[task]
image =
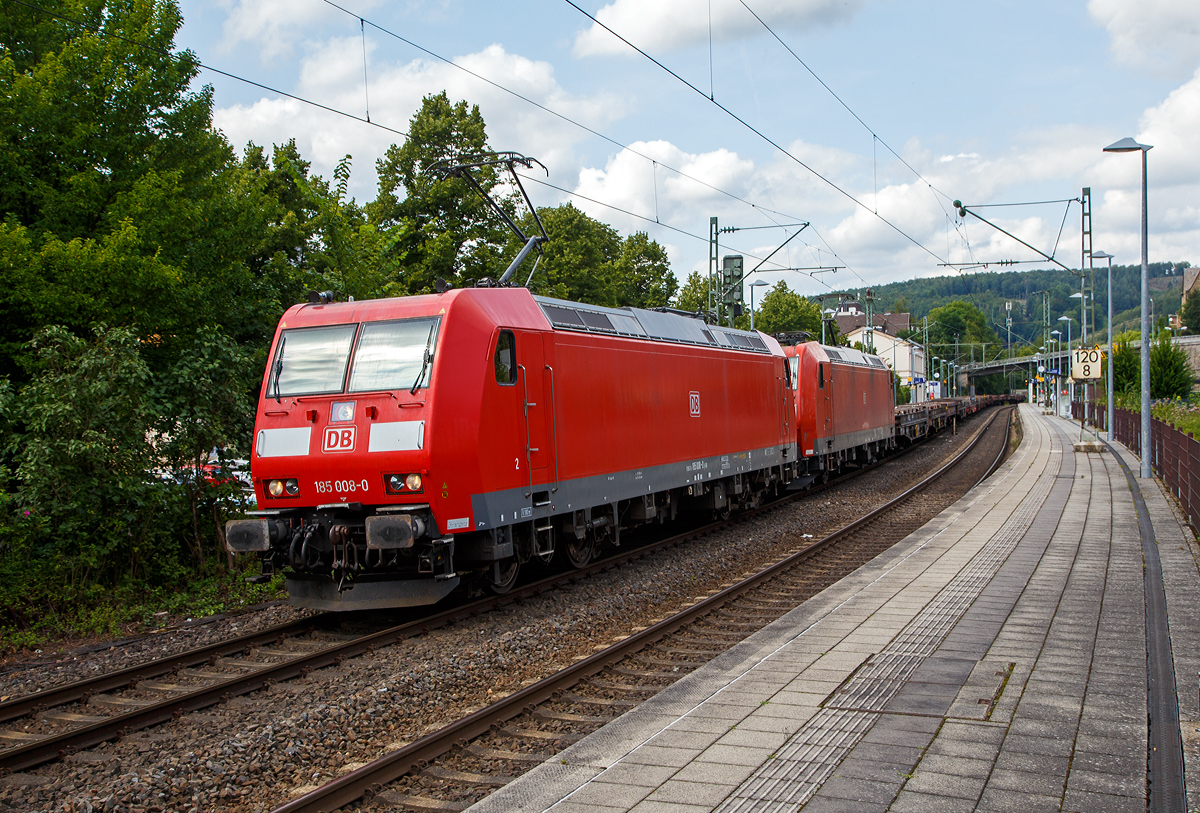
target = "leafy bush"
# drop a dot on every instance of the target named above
(105, 498)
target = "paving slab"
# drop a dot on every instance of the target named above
(993, 660)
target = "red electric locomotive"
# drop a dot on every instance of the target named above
(845, 407)
(402, 445)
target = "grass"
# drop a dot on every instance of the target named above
(1181, 413)
(124, 613)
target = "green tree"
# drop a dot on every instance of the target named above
(348, 254)
(783, 311)
(1127, 367)
(1170, 373)
(202, 406)
(80, 449)
(641, 276)
(587, 261)
(693, 296)
(86, 113)
(445, 229)
(1191, 314)
(961, 324)
(578, 261)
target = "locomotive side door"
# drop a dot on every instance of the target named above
(783, 391)
(825, 374)
(531, 379)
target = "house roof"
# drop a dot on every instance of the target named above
(890, 323)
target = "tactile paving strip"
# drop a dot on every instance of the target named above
(803, 764)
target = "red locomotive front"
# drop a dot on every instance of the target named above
(401, 444)
(845, 407)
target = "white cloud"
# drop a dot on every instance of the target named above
(1173, 179)
(275, 26)
(1159, 34)
(661, 25)
(332, 75)
(631, 182)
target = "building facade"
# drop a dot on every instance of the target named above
(905, 358)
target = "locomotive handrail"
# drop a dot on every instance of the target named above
(554, 424)
(528, 453)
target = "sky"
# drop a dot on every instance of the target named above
(864, 119)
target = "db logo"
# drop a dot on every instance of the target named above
(338, 439)
(694, 403)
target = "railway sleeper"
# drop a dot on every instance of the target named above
(545, 736)
(468, 778)
(484, 752)
(567, 717)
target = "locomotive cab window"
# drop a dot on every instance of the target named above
(311, 361)
(506, 358)
(394, 355)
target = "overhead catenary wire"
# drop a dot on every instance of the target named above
(759, 133)
(556, 114)
(941, 201)
(676, 229)
(765, 211)
(210, 68)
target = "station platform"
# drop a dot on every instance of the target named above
(995, 660)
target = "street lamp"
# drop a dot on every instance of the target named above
(757, 284)
(1129, 145)
(1057, 352)
(1068, 320)
(1104, 255)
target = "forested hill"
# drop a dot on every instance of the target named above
(989, 291)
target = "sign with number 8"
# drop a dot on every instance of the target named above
(1086, 364)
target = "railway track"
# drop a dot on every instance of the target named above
(84, 714)
(450, 769)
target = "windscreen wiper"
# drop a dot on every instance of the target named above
(426, 357)
(279, 367)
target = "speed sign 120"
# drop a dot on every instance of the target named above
(1085, 364)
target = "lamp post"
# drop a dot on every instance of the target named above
(1068, 320)
(825, 316)
(1057, 334)
(1042, 369)
(1104, 255)
(1129, 145)
(758, 284)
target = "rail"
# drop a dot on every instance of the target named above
(369, 778)
(56, 746)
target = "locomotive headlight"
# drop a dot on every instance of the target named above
(292, 487)
(403, 483)
(343, 411)
(275, 488)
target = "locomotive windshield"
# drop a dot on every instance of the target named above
(311, 361)
(389, 356)
(393, 355)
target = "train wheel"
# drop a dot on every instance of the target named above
(507, 576)
(580, 551)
